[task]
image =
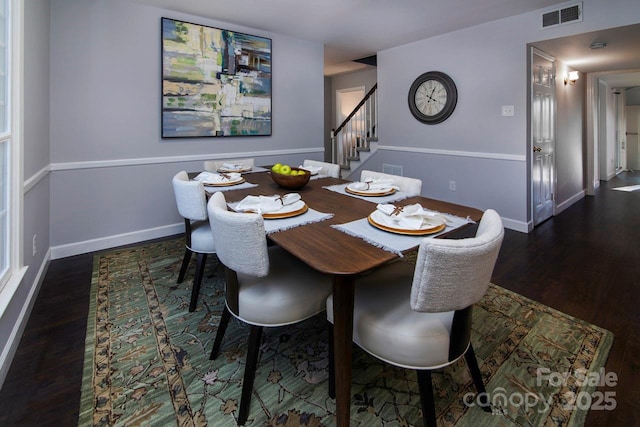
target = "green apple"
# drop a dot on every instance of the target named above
(285, 169)
(276, 167)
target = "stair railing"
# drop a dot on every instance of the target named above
(355, 132)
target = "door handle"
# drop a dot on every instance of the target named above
(537, 149)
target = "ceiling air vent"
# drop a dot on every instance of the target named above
(561, 16)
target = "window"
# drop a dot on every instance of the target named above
(4, 215)
(6, 180)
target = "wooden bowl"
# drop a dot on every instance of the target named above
(291, 182)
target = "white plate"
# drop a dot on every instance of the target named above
(384, 222)
(373, 192)
(296, 208)
(238, 180)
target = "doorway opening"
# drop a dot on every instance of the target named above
(346, 100)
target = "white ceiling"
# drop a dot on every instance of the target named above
(619, 61)
(353, 29)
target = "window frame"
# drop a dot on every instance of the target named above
(12, 142)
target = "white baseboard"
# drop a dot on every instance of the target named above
(523, 227)
(570, 201)
(11, 346)
(108, 242)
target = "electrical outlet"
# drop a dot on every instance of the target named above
(507, 110)
(34, 247)
(452, 185)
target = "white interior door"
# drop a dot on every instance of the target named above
(621, 148)
(543, 110)
(633, 143)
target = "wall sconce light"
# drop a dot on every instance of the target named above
(571, 78)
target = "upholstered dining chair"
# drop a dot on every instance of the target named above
(265, 285)
(412, 186)
(329, 169)
(214, 165)
(192, 205)
(420, 318)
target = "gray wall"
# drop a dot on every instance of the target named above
(328, 113)
(633, 96)
(570, 154)
(36, 186)
(485, 153)
(111, 169)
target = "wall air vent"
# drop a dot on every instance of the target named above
(562, 16)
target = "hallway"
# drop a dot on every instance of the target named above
(586, 262)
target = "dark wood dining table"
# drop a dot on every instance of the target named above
(339, 255)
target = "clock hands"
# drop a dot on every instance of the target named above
(431, 95)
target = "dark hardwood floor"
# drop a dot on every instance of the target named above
(584, 262)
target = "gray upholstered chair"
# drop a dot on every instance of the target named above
(420, 318)
(412, 186)
(192, 205)
(214, 165)
(265, 285)
(329, 169)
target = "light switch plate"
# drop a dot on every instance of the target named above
(507, 110)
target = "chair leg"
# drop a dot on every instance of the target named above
(332, 368)
(255, 335)
(476, 375)
(426, 398)
(222, 327)
(197, 280)
(185, 264)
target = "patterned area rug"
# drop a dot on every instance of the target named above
(146, 360)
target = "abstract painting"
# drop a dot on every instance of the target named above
(214, 82)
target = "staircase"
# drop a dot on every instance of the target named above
(355, 139)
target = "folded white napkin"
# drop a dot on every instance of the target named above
(266, 204)
(373, 184)
(411, 217)
(217, 178)
(313, 169)
(233, 167)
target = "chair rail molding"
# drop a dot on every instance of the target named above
(456, 153)
(34, 179)
(93, 164)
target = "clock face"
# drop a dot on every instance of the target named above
(430, 97)
(433, 97)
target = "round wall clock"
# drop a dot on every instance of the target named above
(433, 97)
